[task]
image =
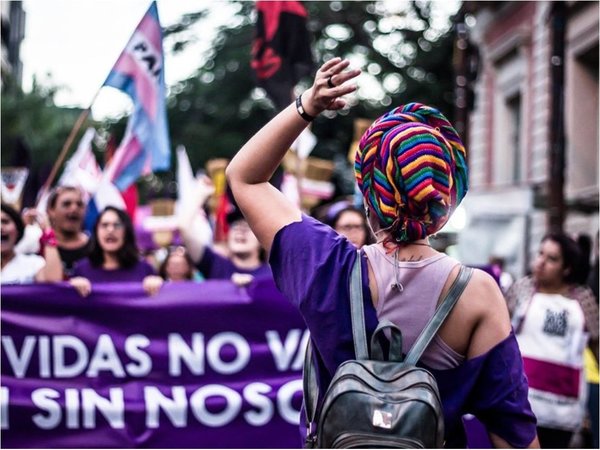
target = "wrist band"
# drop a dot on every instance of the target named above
(301, 110)
(48, 238)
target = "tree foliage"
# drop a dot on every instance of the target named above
(404, 50)
(32, 123)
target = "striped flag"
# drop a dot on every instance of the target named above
(139, 72)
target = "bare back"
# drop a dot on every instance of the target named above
(480, 318)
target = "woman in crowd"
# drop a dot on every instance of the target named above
(114, 256)
(177, 265)
(243, 259)
(412, 172)
(18, 268)
(352, 223)
(553, 318)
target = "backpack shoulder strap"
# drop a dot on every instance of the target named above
(434, 324)
(309, 389)
(309, 379)
(359, 335)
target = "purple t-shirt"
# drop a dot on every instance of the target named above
(84, 268)
(312, 264)
(215, 266)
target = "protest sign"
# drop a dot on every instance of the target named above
(205, 365)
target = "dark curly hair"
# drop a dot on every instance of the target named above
(571, 255)
(128, 255)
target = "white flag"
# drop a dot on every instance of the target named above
(185, 181)
(82, 169)
(304, 143)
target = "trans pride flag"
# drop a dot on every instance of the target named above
(139, 72)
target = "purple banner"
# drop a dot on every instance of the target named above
(204, 365)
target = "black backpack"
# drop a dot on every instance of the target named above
(376, 403)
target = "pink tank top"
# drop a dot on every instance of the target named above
(413, 304)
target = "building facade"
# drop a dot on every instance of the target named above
(532, 130)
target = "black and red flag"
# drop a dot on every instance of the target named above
(281, 53)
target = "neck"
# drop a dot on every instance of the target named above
(421, 242)
(111, 261)
(408, 251)
(390, 243)
(69, 238)
(6, 256)
(246, 260)
(552, 287)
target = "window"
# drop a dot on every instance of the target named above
(513, 109)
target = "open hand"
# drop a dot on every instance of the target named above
(331, 83)
(33, 216)
(204, 189)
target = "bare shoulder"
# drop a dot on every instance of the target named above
(485, 295)
(480, 318)
(490, 313)
(482, 295)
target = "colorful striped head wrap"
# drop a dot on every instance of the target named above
(411, 169)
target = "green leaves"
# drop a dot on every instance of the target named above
(33, 119)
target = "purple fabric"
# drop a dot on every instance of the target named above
(477, 435)
(145, 241)
(312, 264)
(267, 384)
(214, 266)
(99, 275)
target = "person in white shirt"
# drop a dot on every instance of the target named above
(554, 319)
(18, 268)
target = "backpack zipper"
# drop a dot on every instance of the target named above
(354, 377)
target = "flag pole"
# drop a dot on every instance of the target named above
(66, 147)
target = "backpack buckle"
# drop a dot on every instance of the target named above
(311, 438)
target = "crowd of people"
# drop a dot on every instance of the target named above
(549, 318)
(53, 246)
(55, 241)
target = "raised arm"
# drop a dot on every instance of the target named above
(265, 208)
(53, 269)
(193, 224)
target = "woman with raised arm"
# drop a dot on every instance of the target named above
(243, 261)
(411, 170)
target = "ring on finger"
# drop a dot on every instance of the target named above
(330, 83)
